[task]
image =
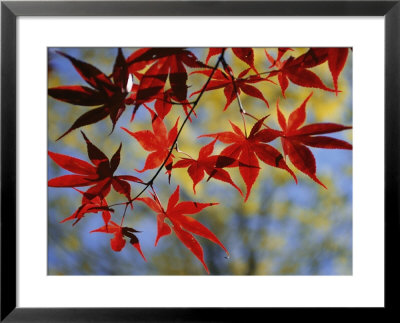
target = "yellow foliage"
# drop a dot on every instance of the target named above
(71, 242)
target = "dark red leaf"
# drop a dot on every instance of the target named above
(77, 94)
(115, 159)
(253, 91)
(70, 181)
(88, 118)
(336, 60)
(246, 55)
(73, 164)
(120, 71)
(325, 142)
(122, 187)
(129, 178)
(298, 116)
(89, 73)
(100, 177)
(169, 62)
(295, 139)
(95, 154)
(306, 78)
(213, 51)
(296, 69)
(99, 190)
(110, 94)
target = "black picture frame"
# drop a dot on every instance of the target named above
(11, 10)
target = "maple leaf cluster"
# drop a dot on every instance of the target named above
(158, 79)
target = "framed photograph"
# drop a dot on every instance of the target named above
(187, 160)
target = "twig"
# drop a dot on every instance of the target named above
(241, 109)
(195, 103)
(253, 117)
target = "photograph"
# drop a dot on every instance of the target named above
(196, 161)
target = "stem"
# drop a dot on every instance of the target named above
(182, 152)
(241, 109)
(177, 103)
(262, 73)
(253, 117)
(244, 122)
(157, 199)
(123, 216)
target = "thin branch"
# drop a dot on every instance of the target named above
(177, 103)
(244, 122)
(255, 118)
(241, 109)
(156, 196)
(262, 73)
(220, 59)
(182, 152)
(195, 103)
(123, 216)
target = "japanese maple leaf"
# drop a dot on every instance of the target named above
(167, 63)
(213, 51)
(295, 139)
(296, 70)
(248, 149)
(108, 93)
(183, 225)
(99, 175)
(120, 233)
(94, 205)
(158, 142)
(205, 164)
(281, 52)
(336, 60)
(222, 80)
(245, 54)
(164, 102)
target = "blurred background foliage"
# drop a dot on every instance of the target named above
(283, 229)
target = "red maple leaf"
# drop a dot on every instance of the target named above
(224, 80)
(100, 175)
(120, 233)
(245, 54)
(94, 205)
(213, 51)
(248, 149)
(164, 102)
(165, 63)
(295, 139)
(182, 225)
(336, 60)
(158, 142)
(206, 164)
(297, 70)
(281, 52)
(107, 92)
